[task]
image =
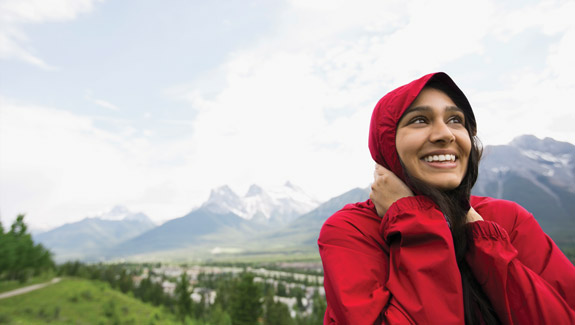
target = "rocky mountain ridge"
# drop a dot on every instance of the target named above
(278, 205)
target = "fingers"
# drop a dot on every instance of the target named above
(473, 216)
(380, 170)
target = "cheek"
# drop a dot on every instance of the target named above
(464, 142)
(407, 152)
(467, 146)
(406, 146)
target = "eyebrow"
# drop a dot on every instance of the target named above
(428, 108)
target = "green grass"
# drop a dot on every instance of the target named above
(11, 285)
(78, 301)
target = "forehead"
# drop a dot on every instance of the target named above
(431, 101)
(433, 98)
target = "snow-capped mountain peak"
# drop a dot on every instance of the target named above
(120, 212)
(254, 190)
(280, 204)
(223, 200)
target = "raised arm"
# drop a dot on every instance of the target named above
(401, 270)
(524, 274)
(355, 267)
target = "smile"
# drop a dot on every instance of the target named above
(440, 158)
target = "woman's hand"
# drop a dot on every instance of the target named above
(473, 216)
(386, 189)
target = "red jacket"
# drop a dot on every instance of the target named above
(401, 268)
(369, 275)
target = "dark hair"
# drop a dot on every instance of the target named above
(455, 204)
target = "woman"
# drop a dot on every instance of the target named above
(422, 249)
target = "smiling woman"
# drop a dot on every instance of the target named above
(424, 250)
(432, 141)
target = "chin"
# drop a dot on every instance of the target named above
(444, 185)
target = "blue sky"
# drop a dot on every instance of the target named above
(151, 104)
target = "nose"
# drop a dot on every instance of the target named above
(440, 132)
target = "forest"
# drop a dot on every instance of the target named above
(20, 257)
(239, 298)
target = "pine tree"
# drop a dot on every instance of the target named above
(20, 258)
(276, 313)
(125, 282)
(246, 305)
(183, 299)
(218, 316)
(319, 307)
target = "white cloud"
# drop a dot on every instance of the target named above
(535, 101)
(16, 13)
(57, 166)
(106, 104)
(532, 103)
(295, 106)
(298, 105)
(550, 17)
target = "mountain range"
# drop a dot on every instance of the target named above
(537, 173)
(94, 235)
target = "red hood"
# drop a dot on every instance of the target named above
(389, 110)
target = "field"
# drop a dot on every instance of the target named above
(78, 301)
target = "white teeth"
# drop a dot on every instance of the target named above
(439, 158)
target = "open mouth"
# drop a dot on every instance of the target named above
(440, 158)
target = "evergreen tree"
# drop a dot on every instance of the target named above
(218, 316)
(5, 258)
(299, 294)
(144, 290)
(157, 295)
(282, 291)
(246, 306)
(183, 299)
(200, 308)
(319, 307)
(20, 258)
(125, 282)
(276, 313)
(224, 293)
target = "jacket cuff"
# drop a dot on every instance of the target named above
(409, 213)
(486, 230)
(419, 202)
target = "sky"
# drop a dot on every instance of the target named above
(151, 104)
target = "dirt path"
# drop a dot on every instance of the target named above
(27, 289)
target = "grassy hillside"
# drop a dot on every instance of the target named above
(78, 301)
(13, 284)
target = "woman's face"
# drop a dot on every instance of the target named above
(432, 141)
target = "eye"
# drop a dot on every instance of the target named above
(455, 119)
(418, 120)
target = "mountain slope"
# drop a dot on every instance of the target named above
(199, 227)
(538, 174)
(305, 229)
(92, 236)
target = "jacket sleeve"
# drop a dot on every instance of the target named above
(355, 268)
(411, 278)
(424, 278)
(526, 277)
